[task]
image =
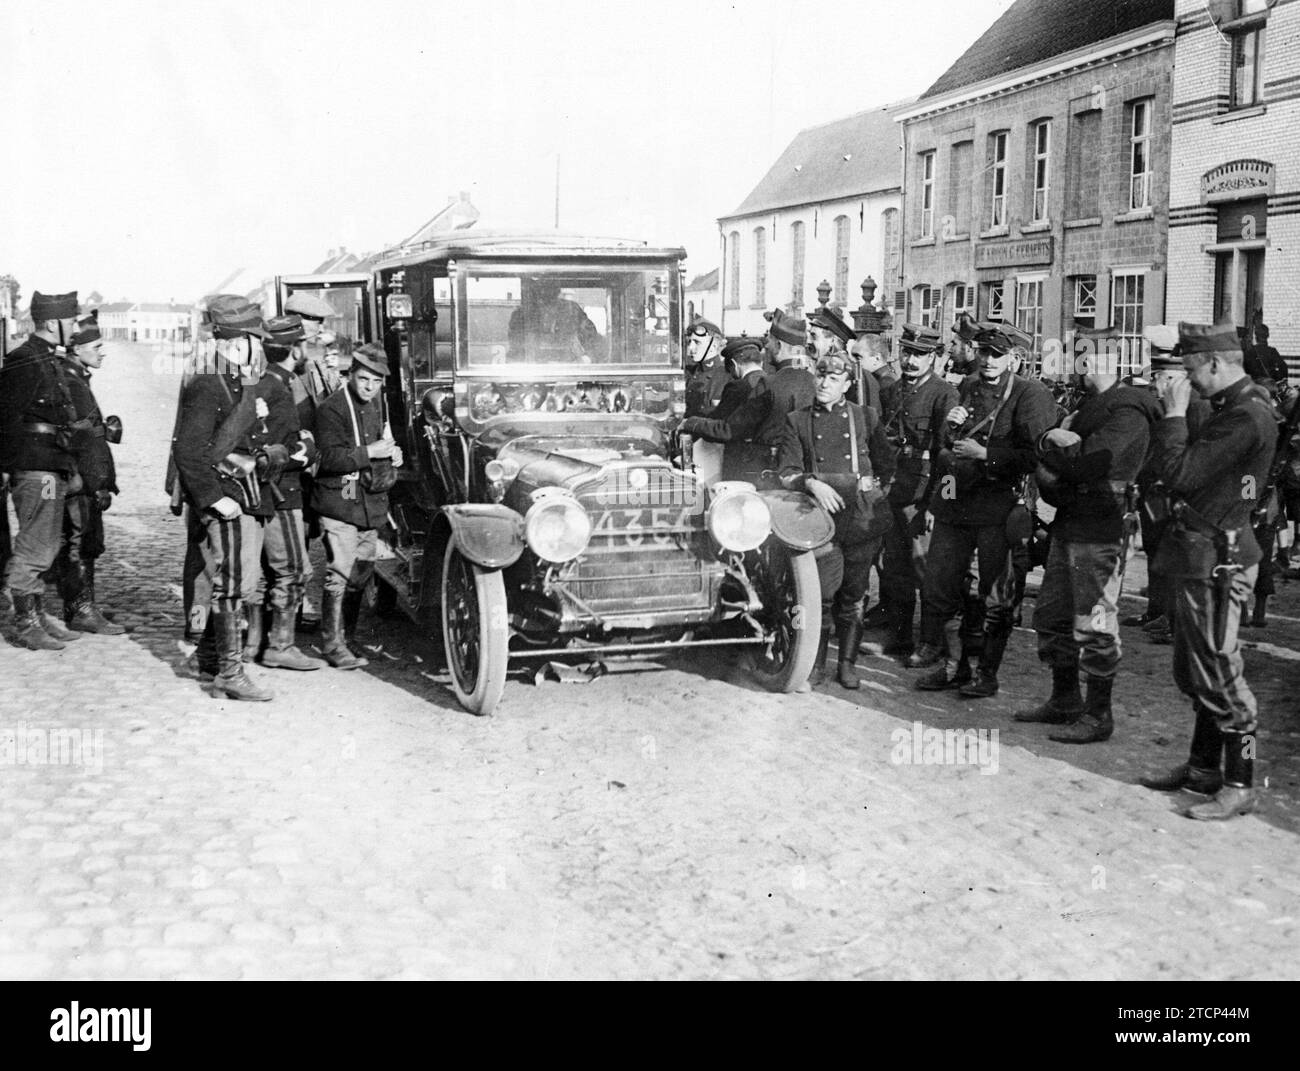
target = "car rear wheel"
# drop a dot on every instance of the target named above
(474, 631)
(787, 583)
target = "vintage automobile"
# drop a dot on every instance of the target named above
(542, 511)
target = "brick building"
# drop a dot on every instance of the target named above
(827, 210)
(1036, 175)
(1234, 220)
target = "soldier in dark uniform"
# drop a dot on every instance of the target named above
(1088, 465)
(991, 439)
(38, 446)
(742, 459)
(313, 310)
(356, 450)
(1267, 363)
(837, 452)
(914, 425)
(83, 521)
(707, 376)
(290, 450)
(222, 428)
(1214, 480)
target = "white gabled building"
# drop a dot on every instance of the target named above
(828, 210)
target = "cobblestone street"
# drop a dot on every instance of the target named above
(664, 821)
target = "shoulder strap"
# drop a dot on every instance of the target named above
(991, 419)
(352, 412)
(853, 441)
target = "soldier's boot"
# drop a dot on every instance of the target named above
(280, 651)
(876, 617)
(1200, 773)
(231, 680)
(1065, 703)
(333, 637)
(308, 614)
(1237, 796)
(52, 624)
(849, 636)
(900, 643)
(931, 651)
(985, 684)
(1097, 722)
(818, 674)
(256, 632)
(203, 662)
(1259, 619)
(31, 631)
(953, 670)
(81, 612)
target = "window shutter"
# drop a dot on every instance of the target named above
(900, 300)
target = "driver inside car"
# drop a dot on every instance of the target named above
(549, 327)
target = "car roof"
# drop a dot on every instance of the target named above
(550, 244)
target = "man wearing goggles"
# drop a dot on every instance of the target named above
(707, 373)
(837, 452)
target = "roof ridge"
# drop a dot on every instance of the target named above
(892, 105)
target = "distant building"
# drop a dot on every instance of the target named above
(1036, 171)
(703, 297)
(145, 321)
(1234, 237)
(827, 210)
(115, 319)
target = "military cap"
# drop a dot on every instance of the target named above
(829, 320)
(309, 306)
(283, 331)
(87, 329)
(701, 326)
(739, 349)
(1163, 339)
(232, 316)
(789, 329)
(1002, 338)
(53, 306)
(1218, 337)
(918, 339)
(371, 357)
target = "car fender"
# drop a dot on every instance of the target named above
(798, 520)
(488, 535)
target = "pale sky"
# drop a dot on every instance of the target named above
(154, 148)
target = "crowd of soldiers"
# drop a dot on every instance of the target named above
(272, 446)
(934, 474)
(931, 473)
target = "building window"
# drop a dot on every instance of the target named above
(962, 298)
(993, 301)
(1085, 300)
(1083, 166)
(1248, 56)
(1029, 309)
(1128, 294)
(796, 263)
(927, 305)
(927, 194)
(760, 265)
(1042, 142)
(891, 246)
(733, 270)
(998, 179)
(1140, 156)
(841, 292)
(961, 162)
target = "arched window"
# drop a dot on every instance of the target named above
(796, 264)
(733, 270)
(760, 265)
(841, 260)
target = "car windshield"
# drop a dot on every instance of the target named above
(578, 317)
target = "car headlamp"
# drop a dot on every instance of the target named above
(556, 528)
(739, 520)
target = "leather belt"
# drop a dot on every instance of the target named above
(38, 428)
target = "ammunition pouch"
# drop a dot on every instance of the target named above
(241, 469)
(271, 462)
(379, 478)
(113, 429)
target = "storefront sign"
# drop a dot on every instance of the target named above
(1237, 181)
(1013, 254)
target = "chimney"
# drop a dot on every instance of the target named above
(464, 196)
(331, 254)
(343, 250)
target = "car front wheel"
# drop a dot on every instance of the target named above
(475, 633)
(791, 616)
